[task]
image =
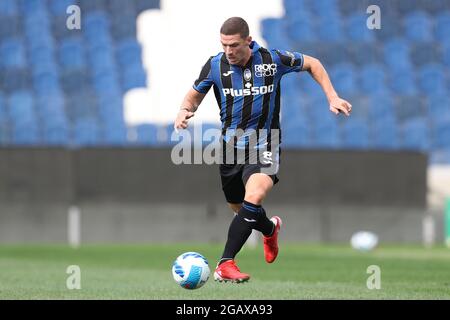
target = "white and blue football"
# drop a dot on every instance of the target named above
(191, 270)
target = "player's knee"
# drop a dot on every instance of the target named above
(255, 196)
(235, 206)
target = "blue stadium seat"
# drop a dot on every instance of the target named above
(121, 7)
(396, 55)
(146, 134)
(383, 133)
(325, 132)
(432, 79)
(295, 135)
(133, 76)
(355, 134)
(300, 27)
(409, 107)
(356, 28)
(418, 27)
(21, 107)
(415, 135)
(124, 25)
(442, 26)
(424, 53)
(441, 133)
(128, 51)
(273, 30)
(343, 77)
(381, 107)
(101, 60)
(142, 5)
(12, 53)
(85, 132)
(437, 106)
(35, 6)
(59, 7)
(372, 79)
(8, 8)
(71, 54)
(391, 26)
(115, 133)
(93, 6)
(403, 82)
(446, 54)
(46, 83)
(14, 79)
(107, 81)
(330, 30)
(10, 26)
(353, 52)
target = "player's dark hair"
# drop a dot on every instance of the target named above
(235, 25)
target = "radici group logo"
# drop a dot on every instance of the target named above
(265, 70)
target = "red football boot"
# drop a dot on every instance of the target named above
(228, 271)
(271, 243)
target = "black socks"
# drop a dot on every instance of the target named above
(251, 216)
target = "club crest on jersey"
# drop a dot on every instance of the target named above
(265, 69)
(247, 75)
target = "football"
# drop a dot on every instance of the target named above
(364, 240)
(191, 270)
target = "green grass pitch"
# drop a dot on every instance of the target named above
(302, 271)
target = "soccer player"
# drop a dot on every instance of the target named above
(246, 82)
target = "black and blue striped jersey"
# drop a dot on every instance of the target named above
(248, 96)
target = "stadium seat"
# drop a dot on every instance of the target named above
(299, 27)
(432, 79)
(403, 82)
(424, 53)
(325, 132)
(128, 51)
(330, 30)
(273, 31)
(355, 133)
(415, 135)
(343, 77)
(12, 53)
(409, 107)
(442, 26)
(418, 27)
(437, 106)
(71, 54)
(295, 135)
(85, 132)
(356, 29)
(146, 134)
(383, 133)
(59, 7)
(441, 133)
(372, 79)
(396, 55)
(8, 8)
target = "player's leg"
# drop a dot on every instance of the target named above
(238, 233)
(235, 207)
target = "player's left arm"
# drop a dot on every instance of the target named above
(318, 72)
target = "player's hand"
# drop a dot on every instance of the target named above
(181, 122)
(340, 105)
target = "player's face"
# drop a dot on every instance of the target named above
(236, 49)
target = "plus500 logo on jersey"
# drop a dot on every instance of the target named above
(253, 91)
(265, 70)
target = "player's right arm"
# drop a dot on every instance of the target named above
(194, 96)
(190, 104)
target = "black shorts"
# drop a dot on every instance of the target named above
(234, 176)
